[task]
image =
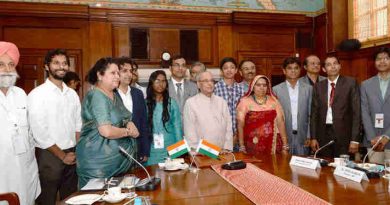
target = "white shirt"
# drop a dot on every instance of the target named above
(54, 115)
(293, 94)
(176, 82)
(19, 169)
(126, 98)
(329, 115)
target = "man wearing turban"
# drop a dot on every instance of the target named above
(19, 170)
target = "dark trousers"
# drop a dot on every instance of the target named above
(55, 176)
(334, 150)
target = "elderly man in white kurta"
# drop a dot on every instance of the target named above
(18, 166)
(206, 116)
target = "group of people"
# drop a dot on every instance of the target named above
(50, 142)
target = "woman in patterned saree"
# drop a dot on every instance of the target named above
(260, 120)
(106, 126)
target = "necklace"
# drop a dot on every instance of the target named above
(260, 102)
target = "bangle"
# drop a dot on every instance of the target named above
(285, 147)
(63, 157)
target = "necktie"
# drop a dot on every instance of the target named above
(179, 93)
(331, 95)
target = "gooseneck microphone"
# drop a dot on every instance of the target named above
(373, 147)
(147, 184)
(329, 143)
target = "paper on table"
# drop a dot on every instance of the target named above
(94, 184)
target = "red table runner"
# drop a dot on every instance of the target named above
(262, 187)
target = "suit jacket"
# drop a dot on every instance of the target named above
(190, 89)
(305, 79)
(140, 120)
(304, 106)
(373, 103)
(345, 112)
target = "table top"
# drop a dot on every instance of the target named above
(207, 187)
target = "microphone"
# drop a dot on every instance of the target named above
(373, 147)
(323, 162)
(329, 143)
(235, 164)
(147, 184)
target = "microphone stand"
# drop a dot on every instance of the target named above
(372, 150)
(323, 162)
(147, 184)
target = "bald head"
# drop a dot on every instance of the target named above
(205, 83)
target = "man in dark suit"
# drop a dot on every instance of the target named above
(180, 88)
(335, 112)
(134, 101)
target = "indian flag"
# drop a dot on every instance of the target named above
(178, 149)
(208, 149)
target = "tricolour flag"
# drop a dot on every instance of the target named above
(208, 149)
(178, 149)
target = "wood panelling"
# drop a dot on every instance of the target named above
(163, 39)
(121, 41)
(266, 42)
(43, 37)
(99, 32)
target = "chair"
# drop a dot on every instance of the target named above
(11, 197)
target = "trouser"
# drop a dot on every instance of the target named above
(334, 150)
(55, 176)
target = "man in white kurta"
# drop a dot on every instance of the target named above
(206, 116)
(18, 166)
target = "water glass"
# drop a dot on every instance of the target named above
(129, 183)
(387, 169)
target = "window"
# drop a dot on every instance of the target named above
(370, 20)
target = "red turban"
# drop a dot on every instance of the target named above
(11, 50)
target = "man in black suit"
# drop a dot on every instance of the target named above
(134, 101)
(335, 112)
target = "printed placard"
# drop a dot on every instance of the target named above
(351, 174)
(305, 162)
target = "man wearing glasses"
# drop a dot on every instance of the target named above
(134, 80)
(312, 66)
(180, 89)
(206, 116)
(375, 94)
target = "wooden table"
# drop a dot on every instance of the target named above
(207, 187)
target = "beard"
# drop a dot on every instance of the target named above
(8, 79)
(55, 76)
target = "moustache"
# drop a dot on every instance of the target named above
(8, 79)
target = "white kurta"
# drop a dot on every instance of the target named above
(18, 166)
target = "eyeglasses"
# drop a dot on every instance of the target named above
(382, 59)
(206, 81)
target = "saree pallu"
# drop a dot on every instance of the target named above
(260, 133)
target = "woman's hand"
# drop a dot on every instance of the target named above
(285, 152)
(242, 149)
(132, 130)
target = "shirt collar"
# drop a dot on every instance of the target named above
(335, 81)
(9, 91)
(203, 96)
(175, 82)
(52, 86)
(289, 84)
(127, 92)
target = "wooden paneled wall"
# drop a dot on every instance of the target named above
(91, 33)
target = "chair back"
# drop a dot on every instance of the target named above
(11, 197)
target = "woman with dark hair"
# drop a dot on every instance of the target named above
(164, 117)
(106, 126)
(260, 120)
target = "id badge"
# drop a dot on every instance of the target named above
(158, 140)
(379, 118)
(18, 144)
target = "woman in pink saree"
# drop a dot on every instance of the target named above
(260, 120)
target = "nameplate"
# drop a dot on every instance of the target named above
(351, 174)
(305, 162)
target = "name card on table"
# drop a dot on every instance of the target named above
(351, 174)
(305, 162)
